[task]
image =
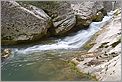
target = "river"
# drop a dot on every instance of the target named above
(44, 62)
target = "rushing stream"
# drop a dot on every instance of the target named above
(47, 61)
(70, 42)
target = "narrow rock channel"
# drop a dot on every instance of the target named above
(60, 40)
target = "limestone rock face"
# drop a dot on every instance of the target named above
(87, 11)
(106, 65)
(71, 16)
(65, 19)
(68, 16)
(21, 24)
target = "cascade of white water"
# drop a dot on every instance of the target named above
(71, 42)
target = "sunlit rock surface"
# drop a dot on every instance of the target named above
(106, 65)
(20, 24)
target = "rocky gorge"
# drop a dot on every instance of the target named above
(85, 40)
(23, 22)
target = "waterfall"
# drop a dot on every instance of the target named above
(71, 42)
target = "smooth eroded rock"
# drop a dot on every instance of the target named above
(70, 16)
(87, 11)
(20, 24)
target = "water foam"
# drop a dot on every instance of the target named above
(71, 42)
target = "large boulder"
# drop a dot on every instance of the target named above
(61, 13)
(5, 54)
(87, 11)
(68, 16)
(22, 22)
(63, 18)
(22, 25)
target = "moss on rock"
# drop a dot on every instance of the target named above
(87, 76)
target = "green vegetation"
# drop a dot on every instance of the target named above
(83, 75)
(91, 42)
(88, 46)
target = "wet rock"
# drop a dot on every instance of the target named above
(5, 54)
(98, 17)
